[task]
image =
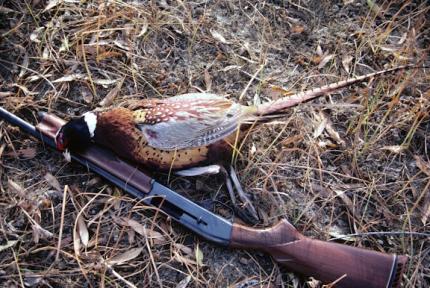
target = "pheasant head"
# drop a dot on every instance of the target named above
(77, 133)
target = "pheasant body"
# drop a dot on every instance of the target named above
(176, 133)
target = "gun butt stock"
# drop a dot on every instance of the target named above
(349, 267)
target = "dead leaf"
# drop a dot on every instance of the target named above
(249, 50)
(108, 100)
(316, 59)
(79, 76)
(218, 36)
(326, 144)
(263, 215)
(2, 147)
(396, 149)
(52, 4)
(319, 51)
(184, 282)
(321, 190)
(64, 45)
(125, 257)
(25, 89)
(89, 50)
(157, 237)
(183, 260)
(403, 38)
(325, 59)
(144, 28)
(346, 60)
(253, 149)
(40, 233)
(6, 93)
(6, 10)
(136, 226)
(342, 195)
(107, 54)
(373, 7)
(94, 181)
(33, 78)
(76, 245)
(34, 36)
(426, 209)
(105, 82)
(8, 245)
(292, 140)
(275, 92)
(46, 53)
(230, 67)
(69, 78)
(422, 165)
(24, 65)
(199, 256)
(334, 134)
(336, 232)
(185, 249)
(33, 280)
(251, 282)
(122, 44)
(208, 80)
(297, 29)
(322, 123)
(83, 231)
(244, 261)
(131, 236)
(52, 180)
(16, 188)
(27, 153)
(389, 48)
(128, 30)
(87, 95)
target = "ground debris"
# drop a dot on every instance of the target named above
(348, 163)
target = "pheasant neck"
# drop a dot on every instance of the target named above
(90, 119)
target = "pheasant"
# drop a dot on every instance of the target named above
(184, 132)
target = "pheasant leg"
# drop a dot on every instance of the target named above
(197, 171)
(210, 170)
(246, 209)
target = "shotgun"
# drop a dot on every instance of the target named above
(348, 267)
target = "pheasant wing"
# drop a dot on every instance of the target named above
(189, 120)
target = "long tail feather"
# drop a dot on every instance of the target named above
(283, 103)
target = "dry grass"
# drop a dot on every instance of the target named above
(353, 165)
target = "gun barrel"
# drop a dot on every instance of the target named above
(25, 126)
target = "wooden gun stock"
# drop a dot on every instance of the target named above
(326, 261)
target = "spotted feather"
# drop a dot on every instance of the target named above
(189, 120)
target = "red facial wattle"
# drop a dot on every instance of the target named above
(60, 142)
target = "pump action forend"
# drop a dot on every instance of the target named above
(326, 261)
